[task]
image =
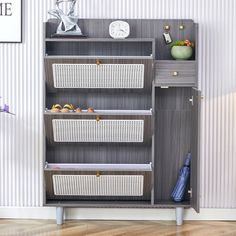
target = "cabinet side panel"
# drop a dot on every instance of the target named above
(195, 127)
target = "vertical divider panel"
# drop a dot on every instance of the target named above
(153, 147)
(195, 130)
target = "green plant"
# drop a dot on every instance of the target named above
(182, 43)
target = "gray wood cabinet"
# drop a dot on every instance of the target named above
(127, 153)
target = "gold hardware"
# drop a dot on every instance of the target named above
(98, 62)
(166, 27)
(181, 27)
(98, 174)
(175, 73)
(191, 100)
(98, 118)
(190, 192)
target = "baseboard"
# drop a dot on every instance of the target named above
(115, 214)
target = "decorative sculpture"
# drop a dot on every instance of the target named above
(69, 22)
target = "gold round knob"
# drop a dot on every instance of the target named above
(98, 118)
(175, 73)
(98, 174)
(98, 62)
(166, 27)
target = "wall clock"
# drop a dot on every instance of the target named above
(119, 29)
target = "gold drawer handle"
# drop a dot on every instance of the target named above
(98, 174)
(98, 118)
(167, 27)
(175, 73)
(98, 62)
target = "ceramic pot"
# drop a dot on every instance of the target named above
(181, 52)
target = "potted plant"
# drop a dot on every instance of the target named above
(182, 49)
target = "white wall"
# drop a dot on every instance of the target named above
(21, 85)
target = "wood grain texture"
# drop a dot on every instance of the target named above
(115, 228)
(172, 137)
(169, 143)
(108, 48)
(104, 100)
(99, 153)
(186, 73)
(117, 204)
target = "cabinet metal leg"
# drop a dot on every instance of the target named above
(59, 215)
(179, 211)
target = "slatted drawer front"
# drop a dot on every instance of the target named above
(94, 131)
(91, 185)
(98, 76)
(175, 72)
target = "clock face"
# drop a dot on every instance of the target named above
(119, 29)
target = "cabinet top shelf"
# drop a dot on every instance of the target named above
(151, 40)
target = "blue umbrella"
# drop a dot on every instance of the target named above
(180, 187)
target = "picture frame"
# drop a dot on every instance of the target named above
(11, 21)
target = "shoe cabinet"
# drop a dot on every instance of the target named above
(127, 154)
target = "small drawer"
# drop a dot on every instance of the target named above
(175, 73)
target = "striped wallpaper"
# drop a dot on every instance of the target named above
(21, 85)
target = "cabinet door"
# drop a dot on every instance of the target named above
(74, 73)
(195, 132)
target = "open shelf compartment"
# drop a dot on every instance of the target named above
(100, 47)
(176, 110)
